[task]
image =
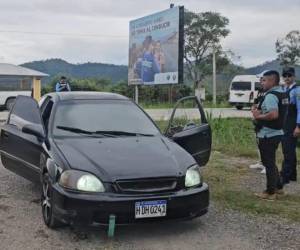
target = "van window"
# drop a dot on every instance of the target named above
(15, 84)
(241, 86)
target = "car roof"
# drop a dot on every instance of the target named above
(85, 95)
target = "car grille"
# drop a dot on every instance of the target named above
(147, 185)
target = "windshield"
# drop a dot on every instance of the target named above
(241, 86)
(101, 117)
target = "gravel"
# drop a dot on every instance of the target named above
(21, 227)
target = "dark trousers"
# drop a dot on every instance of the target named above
(267, 148)
(289, 164)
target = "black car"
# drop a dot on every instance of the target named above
(99, 154)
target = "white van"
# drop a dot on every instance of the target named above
(10, 88)
(243, 90)
(7, 98)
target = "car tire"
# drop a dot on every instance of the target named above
(47, 203)
(9, 103)
(239, 107)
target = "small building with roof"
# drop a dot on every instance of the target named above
(15, 80)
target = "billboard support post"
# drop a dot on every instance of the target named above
(170, 94)
(136, 95)
(214, 77)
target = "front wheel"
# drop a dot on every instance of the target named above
(47, 203)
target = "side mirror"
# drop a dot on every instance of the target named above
(34, 129)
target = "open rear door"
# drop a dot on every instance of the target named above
(189, 128)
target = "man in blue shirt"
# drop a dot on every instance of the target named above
(62, 85)
(149, 65)
(269, 123)
(291, 127)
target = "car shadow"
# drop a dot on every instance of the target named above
(140, 231)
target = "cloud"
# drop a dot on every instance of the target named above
(255, 25)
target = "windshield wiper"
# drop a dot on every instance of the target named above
(75, 130)
(82, 131)
(107, 133)
(120, 133)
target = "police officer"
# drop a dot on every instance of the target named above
(291, 127)
(268, 116)
(62, 85)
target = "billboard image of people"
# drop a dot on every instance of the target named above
(154, 48)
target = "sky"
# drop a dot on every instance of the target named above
(97, 30)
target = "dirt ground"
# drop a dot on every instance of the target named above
(21, 227)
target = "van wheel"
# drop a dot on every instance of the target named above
(239, 107)
(9, 103)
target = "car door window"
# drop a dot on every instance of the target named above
(46, 109)
(25, 111)
(186, 115)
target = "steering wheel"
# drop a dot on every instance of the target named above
(189, 125)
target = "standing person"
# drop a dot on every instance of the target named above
(62, 85)
(258, 99)
(149, 65)
(269, 116)
(291, 127)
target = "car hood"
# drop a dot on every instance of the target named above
(126, 157)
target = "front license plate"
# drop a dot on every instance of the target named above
(148, 209)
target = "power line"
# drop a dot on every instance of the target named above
(63, 34)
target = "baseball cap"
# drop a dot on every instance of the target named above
(288, 71)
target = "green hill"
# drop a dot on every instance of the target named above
(55, 67)
(116, 73)
(275, 65)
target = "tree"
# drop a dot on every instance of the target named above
(203, 32)
(288, 49)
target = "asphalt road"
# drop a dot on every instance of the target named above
(21, 227)
(164, 114)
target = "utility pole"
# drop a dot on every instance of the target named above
(136, 95)
(214, 77)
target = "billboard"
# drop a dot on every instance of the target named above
(156, 48)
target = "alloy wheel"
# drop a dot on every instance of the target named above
(46, 201)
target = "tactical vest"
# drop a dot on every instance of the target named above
(283, 104)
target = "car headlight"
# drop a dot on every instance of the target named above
(193, 177)
(82, 181)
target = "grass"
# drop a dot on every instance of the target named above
(233, 136)
(229, 190)
(227, 173)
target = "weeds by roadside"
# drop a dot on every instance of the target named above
(233, 136)
(167, 105)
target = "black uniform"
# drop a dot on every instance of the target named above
(289, 144)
